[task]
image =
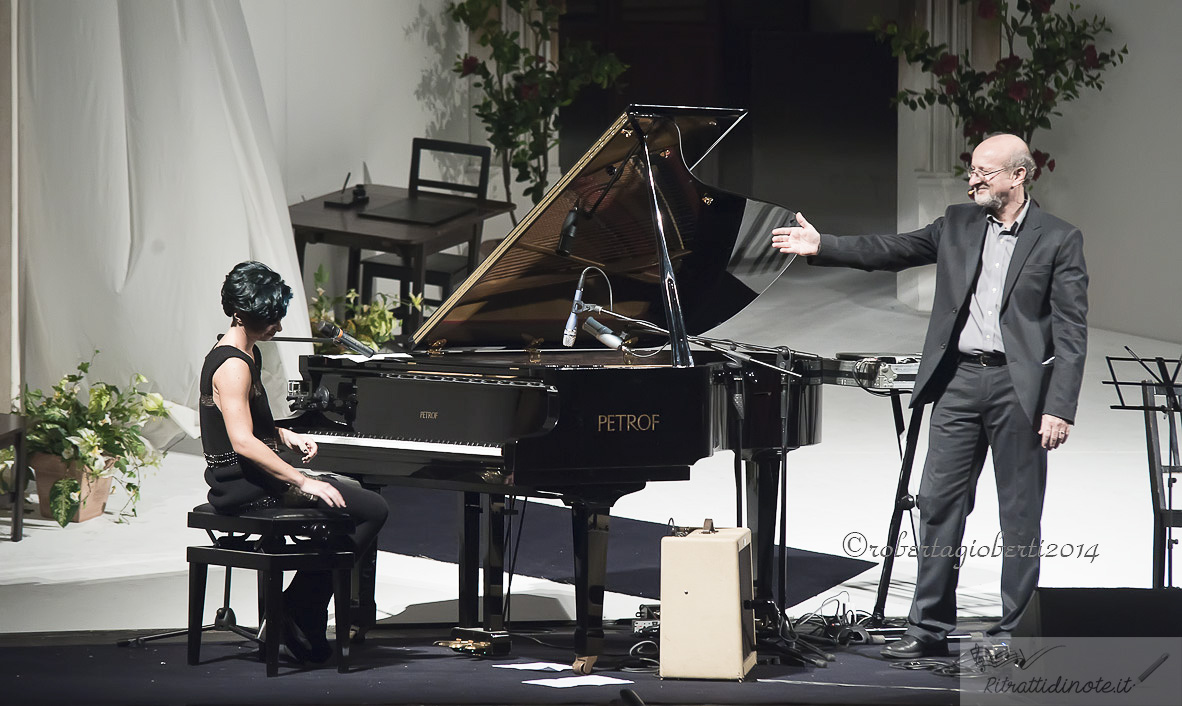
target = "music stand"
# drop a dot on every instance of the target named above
(1159, 396)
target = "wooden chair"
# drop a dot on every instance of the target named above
(444, 270)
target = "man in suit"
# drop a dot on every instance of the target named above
(1002, 364)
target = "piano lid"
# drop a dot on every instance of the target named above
(718, 242)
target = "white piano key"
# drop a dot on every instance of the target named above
(406, 445)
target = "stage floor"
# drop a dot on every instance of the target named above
(402, 666)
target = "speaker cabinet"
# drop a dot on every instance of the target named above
(1102, 612)
(707, 625)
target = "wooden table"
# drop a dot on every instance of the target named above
(12, 433)
(313, 222)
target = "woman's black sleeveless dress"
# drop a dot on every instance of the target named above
(236, 483)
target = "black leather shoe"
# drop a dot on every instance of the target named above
(910, 647)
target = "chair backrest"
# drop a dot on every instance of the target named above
(421, 144)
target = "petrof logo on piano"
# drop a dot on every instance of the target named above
(628, 422)
(428, 415)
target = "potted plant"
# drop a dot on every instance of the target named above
(80, 443)
(523, 88)
(8, 477)
(373, 324)
(1023, 90)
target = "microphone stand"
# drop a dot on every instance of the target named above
(725, 347)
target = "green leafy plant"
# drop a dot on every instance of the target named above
(7, 476)
(100, 430)
(523, 89)
(371, 323)
(1023, 90)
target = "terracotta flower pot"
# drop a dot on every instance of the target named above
(94, 492)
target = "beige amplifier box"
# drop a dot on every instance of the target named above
(707, 625)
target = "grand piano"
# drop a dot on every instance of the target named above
(490, 403)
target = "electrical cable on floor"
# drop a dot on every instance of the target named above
(646, 654)
(543, 643)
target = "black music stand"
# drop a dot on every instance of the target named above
(904, 502)
(1159, 397)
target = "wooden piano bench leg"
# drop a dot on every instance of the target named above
(197, 576)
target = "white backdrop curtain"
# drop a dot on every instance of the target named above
(147, 170)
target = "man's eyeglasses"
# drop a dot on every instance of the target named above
(984, 175)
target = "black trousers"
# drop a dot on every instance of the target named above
(978, 412)
(310, 591)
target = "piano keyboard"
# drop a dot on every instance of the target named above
(432, 447)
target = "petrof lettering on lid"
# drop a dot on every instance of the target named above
(628, 422)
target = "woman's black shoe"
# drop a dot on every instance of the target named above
(310, 629)
(296, 642)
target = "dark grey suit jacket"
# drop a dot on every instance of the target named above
(1044, 303)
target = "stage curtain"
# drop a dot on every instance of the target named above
(146, 171)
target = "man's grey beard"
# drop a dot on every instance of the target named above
(988, 200)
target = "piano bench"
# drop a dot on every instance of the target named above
(258, 540)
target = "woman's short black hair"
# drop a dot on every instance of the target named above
(256, 292)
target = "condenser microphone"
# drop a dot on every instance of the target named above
(331, 330)
(566, 236)
(572, 321)
(603, 334)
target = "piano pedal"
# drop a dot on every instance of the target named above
(474, 641)
(471, 647)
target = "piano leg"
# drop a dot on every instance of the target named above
(763, 482)
(590, 523)
(494, 563)
(469, 560)
(492, 507)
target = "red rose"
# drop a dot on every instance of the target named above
(951, 86)
(1037, 174)
(946, 64)
(1010, 63)
(1090, 59)
(975, 128)
(1051, 165)
(1048, 95)
(966, 157)
(1018, 90)
(469, 65)
(1040, 158)
(527, 91)
(987, 9)
(1041, 7)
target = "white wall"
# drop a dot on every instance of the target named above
(1117, 158)
(348, 81)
